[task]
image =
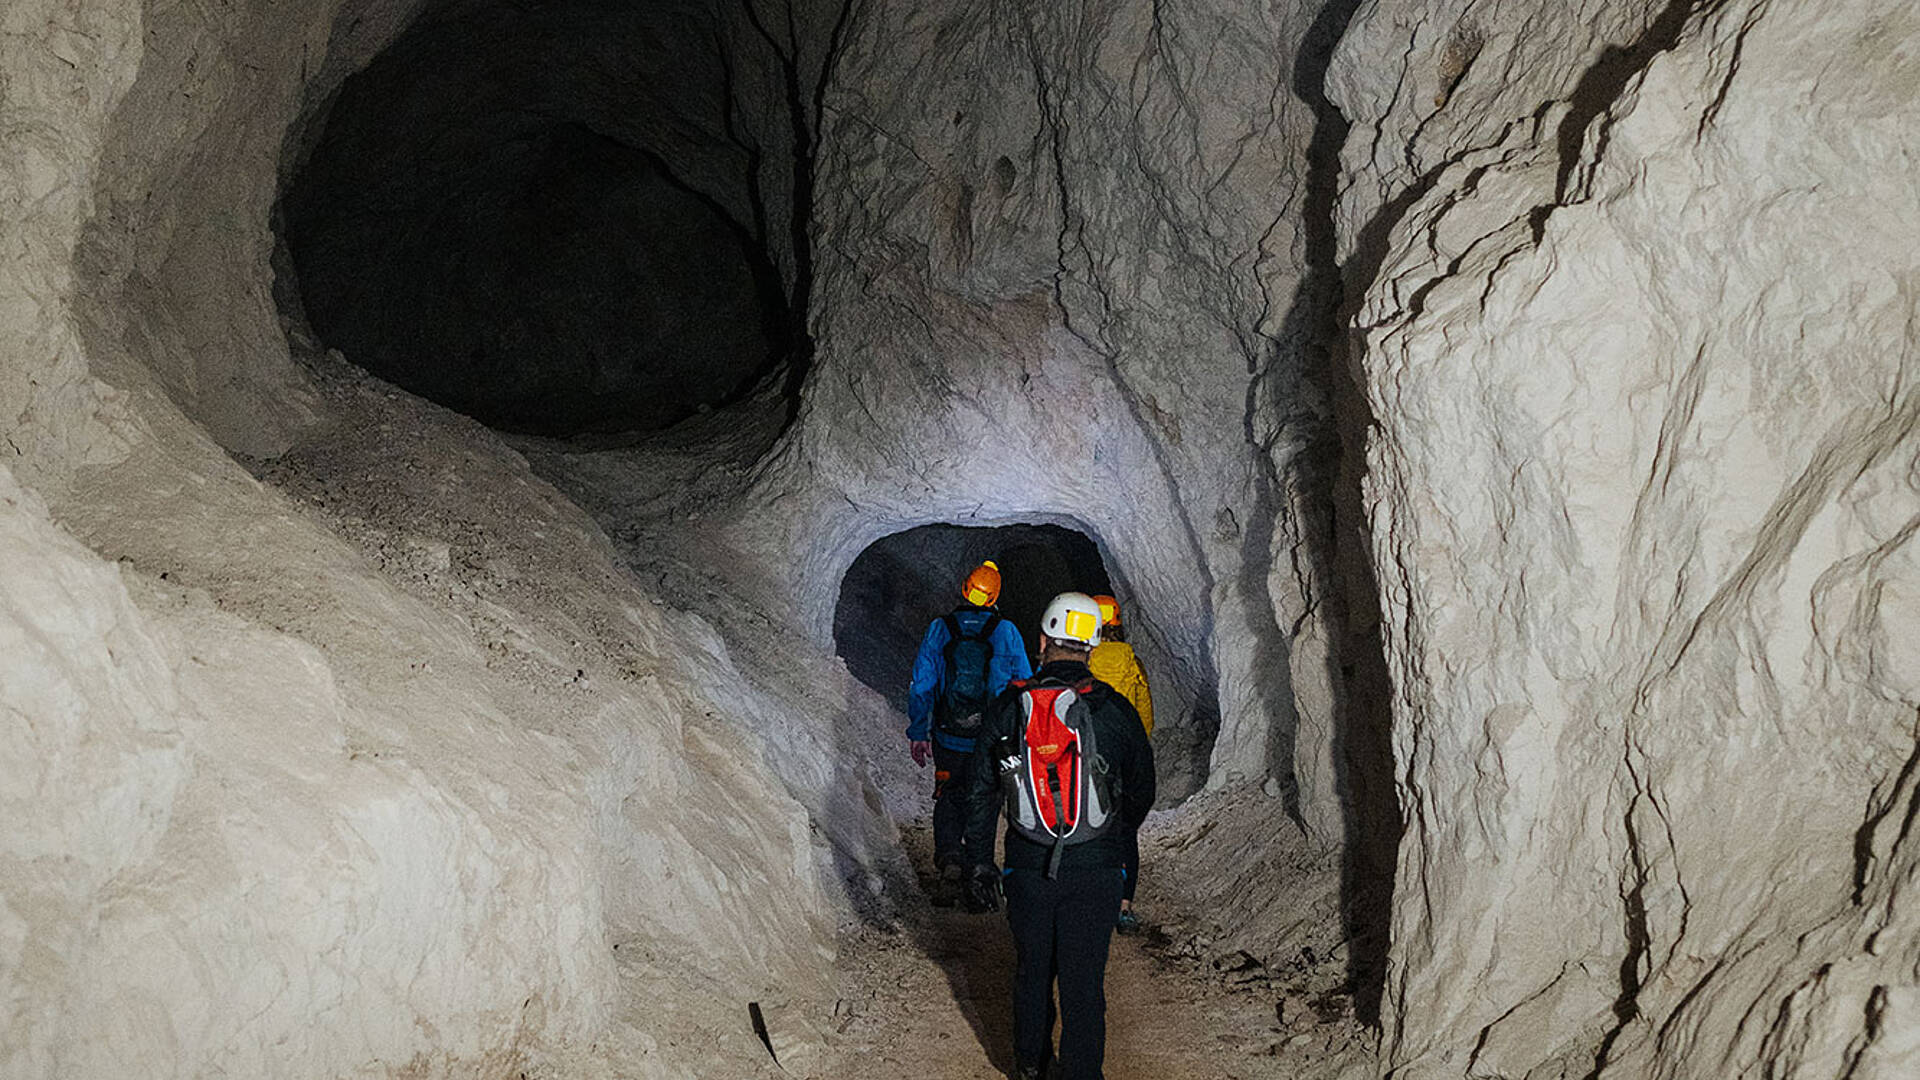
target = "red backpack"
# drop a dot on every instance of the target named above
(1059, 790)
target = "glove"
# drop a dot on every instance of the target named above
(921, 751)
(983, 889)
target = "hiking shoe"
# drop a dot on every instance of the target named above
(1127, 923)
(945, 890)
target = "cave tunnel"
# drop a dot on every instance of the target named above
(494, 217)
(347, 740)
(592, 217)
(902, 582)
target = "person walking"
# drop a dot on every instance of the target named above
(966, 657)
(1113, 663)
(1065, 757)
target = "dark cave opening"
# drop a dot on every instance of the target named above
(902, 582)
(572, 217)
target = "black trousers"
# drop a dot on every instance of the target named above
(1061, 930)
(950, 808)
(1133, 864)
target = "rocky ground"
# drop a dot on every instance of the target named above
(927, 996)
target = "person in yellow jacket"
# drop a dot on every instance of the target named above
(1113, 663)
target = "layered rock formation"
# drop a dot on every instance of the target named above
(391, 769)
(1632, 291)
(351, 746)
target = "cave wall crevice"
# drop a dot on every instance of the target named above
(1318, 475)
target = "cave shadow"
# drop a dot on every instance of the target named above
(973, 951)
(626, 362)
(902, 582)
(1341, 543)
(1271, 655)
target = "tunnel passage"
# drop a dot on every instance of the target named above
(496, 216)
(902, 582)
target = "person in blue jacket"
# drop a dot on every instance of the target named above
(967, 657)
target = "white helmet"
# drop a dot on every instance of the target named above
(1072, 617)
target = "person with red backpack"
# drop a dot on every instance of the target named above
(1064, 756)
(967, 657)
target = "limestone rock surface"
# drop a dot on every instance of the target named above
(1632, 290)
(354, 747)
(1056, 252)
(385, 766)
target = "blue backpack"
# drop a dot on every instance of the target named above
(968, 656)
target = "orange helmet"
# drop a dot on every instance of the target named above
(982, 588)
(1109, 610)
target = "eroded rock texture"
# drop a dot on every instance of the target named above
(1057, 250)
(389, 767)
(1632, 289)
(344, 744)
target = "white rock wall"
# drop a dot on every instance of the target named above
(67, 64)
(1056, 253)
(280, 802)
(1633, 295)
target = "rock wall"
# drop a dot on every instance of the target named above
(1056, 252)
(1627, 336)
(1632, 291)
(387, 767)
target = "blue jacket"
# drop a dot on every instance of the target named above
(930, 672)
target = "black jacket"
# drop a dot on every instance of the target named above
(1117, 736)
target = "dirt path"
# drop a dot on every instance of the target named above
(928, 999)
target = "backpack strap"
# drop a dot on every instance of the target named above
(1060, 828)
(954, 637)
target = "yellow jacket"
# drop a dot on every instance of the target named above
(1113, 663)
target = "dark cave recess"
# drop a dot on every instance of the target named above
(904, 581)
(476, 224)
